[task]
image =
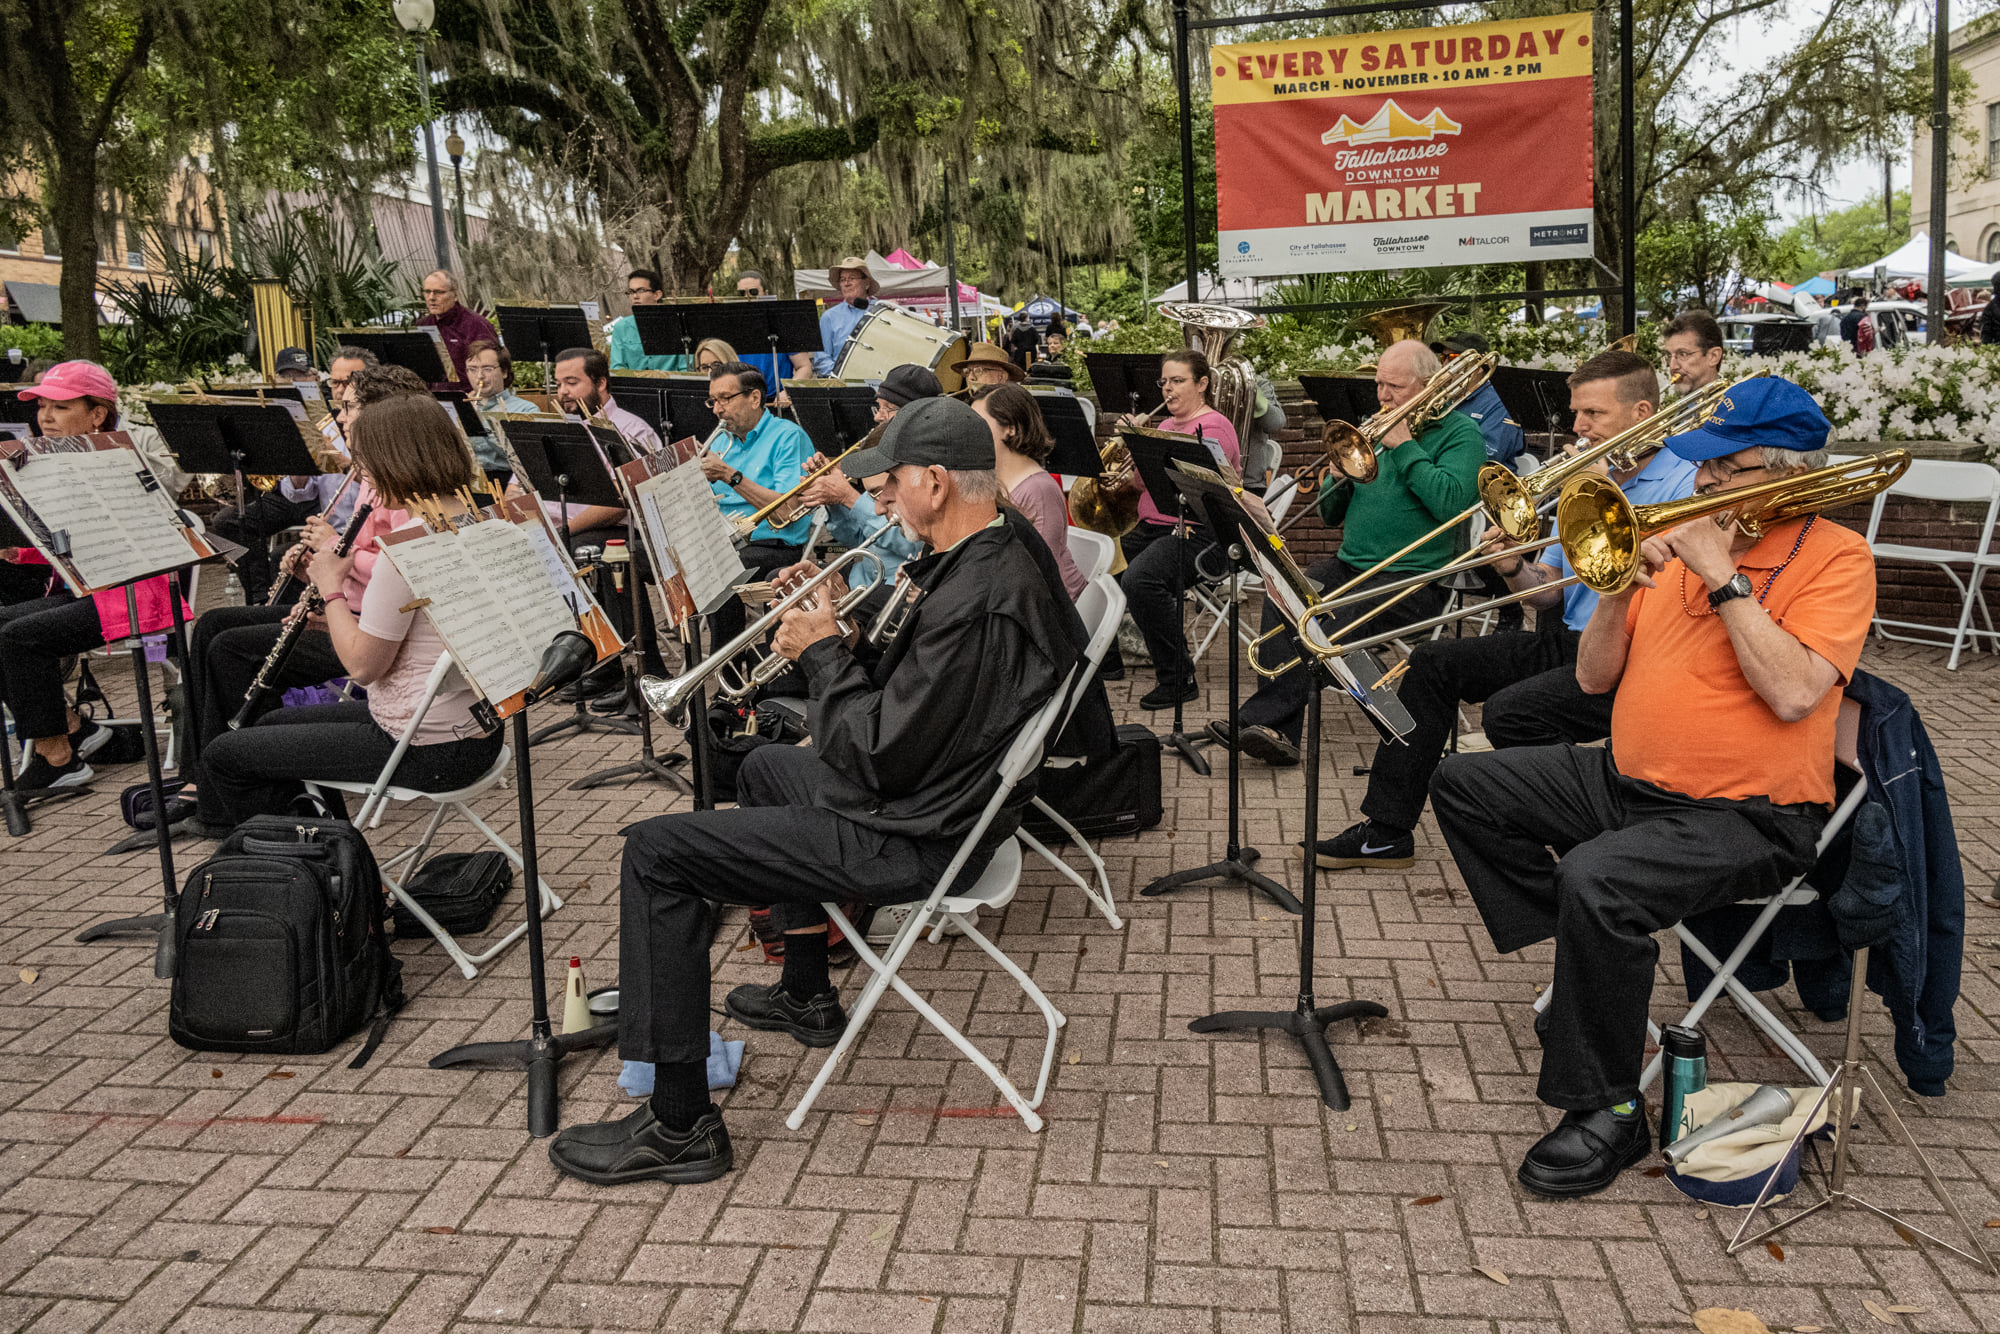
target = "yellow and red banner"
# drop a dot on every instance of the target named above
(1390, 150)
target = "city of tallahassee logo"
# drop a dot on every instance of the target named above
(1389, 124)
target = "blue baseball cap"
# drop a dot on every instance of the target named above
(1768, 410)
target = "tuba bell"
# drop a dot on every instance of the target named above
(1213, 331)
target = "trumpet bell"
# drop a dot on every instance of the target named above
(1351, 451)
(668, 698)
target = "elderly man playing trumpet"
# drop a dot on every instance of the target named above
(1728, 653)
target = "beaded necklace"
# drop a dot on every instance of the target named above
(1706, 610)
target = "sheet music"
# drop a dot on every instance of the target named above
(537, 611)
(701, 538)
(651, 523)
(118, 530)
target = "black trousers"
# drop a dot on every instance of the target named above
(231, 644)
(761, 559)
(1555, 843)
(1280, 703)
(1442, 673)
(262, 519)
(22, 583)
(261, 769)
(1159, 567)
(1548, 709)
(617, 602)
(35, 637)
(776, 850)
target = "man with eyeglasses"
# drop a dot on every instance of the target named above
(759, 458)
(1423, 478)
(1692, 345)
(1728, 654)
(642, 288)
(857, 288)
(460, 325)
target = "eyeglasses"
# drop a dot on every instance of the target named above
(339, 382)
(437, 291)
(638, 291)
(715, 401)
(1725, 471)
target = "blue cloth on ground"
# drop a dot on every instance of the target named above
(724, 1060)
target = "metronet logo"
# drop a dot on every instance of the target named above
(1569, 233)
(1389, 245)
(1484, 240)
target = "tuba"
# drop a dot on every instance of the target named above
(1395, 324)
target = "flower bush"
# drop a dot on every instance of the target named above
(1906, 393)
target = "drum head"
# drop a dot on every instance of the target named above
(889, 336)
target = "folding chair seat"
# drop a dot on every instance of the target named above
(1796, 894)
(994, 887)
(1936, 480)
(1090, 550)
(396, 870)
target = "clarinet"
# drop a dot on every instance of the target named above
(295, 626)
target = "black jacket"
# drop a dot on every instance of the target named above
(916, 740)
(1989, 321)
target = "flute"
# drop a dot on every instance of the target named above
(294, 629)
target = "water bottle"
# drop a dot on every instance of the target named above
(1686, 1058)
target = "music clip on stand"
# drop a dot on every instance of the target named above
(568, 656)
(1307, 1020)
(1238, 864)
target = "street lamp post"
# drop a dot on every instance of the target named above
(1940, 167)
(416, 17)
(454, 147)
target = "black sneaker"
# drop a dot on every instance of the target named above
(1268, 745)
(639, 1148)
(1586, 1152)
(88, 739)
(38, 775)
(817, 1021)
(1365, 845)
(1168, 694)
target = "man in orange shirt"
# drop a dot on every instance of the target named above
(1728, 655)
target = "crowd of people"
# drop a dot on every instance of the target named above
(1752, 632)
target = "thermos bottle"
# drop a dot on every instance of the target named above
(1686, 1053)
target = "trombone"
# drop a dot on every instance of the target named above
(786, 509)
(1602, 534)
(1352, 449)
(670, 698)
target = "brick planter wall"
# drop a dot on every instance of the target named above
(1907, 592)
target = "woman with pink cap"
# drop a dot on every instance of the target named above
(73, 398)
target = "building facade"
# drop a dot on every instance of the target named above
(1972, 208)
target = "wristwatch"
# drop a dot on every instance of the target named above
(1737, 587)
(736, 478)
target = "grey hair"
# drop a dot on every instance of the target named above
(450, 279)
(1778, 460)
(975, 484)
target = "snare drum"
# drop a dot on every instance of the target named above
(889, 336)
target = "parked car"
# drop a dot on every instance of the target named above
(1768, 332)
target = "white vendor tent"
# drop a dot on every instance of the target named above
(1912, 259)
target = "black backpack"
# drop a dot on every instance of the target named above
(281, 943)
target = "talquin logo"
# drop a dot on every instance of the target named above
(1568, 233)
(1390, 124)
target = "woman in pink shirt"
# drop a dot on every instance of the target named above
(1021, 445)
(1159, 564)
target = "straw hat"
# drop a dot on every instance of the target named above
(860, 266)
(987, 354)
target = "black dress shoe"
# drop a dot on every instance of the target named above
(817, 1021)
(1167, 694)
(1586, 1152)
(639, 1148)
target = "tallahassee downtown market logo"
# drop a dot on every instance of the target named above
(1391, 145)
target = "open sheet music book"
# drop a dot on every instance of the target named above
(691, 541)
(92, 509)
(498, 592)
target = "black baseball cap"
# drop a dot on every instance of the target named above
(1465, 340)
(905, 384)
(293, 359)
(940, 432)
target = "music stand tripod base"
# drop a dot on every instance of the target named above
(1307, 1024)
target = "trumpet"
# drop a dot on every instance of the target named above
(786, 509)
(670, 698)
(1352, 449)
(1602, 535)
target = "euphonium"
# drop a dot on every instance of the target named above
(1108, 504)
(1351, 448)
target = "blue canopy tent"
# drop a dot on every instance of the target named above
(1816, 286)
(1042, 309)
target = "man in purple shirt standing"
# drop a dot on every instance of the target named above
(461, 325)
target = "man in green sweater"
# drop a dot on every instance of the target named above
(1423, 479)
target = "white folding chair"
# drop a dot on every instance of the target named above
(995, 887)
(376, 797)
(1933, 479)
(1793, 895)
(1102, 606)
(1091, 551)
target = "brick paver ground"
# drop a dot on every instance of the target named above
(1184, 1182)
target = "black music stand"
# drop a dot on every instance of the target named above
(1307, 1020)
(1151, 450)
(255, 439)
(543, 1049)
(1342, 398)
(835, 416)
(1227, 516)
(1076, 453)
(642, 399)
(412, 349)
(1125, 381)
(564, 458)
(671, 329)
(18, 411)
(684, 409)
(1536, 399)
(634, 713)
(649, 764)
(538, 333)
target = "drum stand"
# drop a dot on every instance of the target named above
(1846, 1106)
